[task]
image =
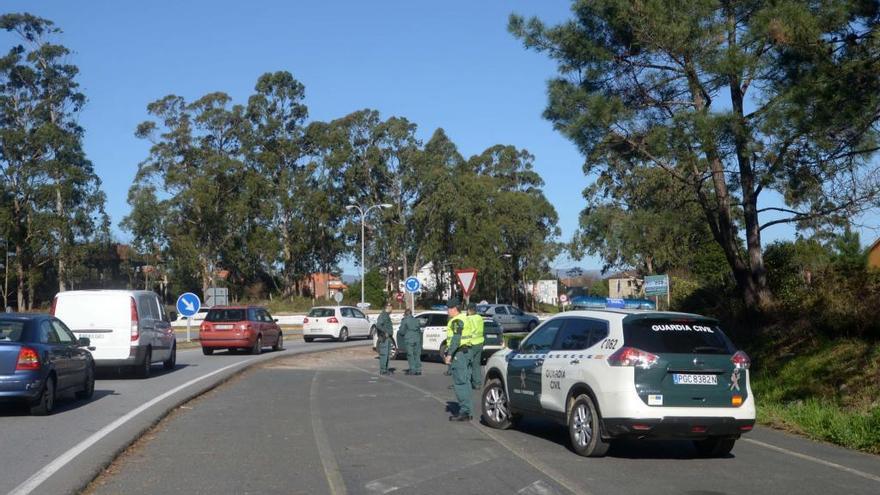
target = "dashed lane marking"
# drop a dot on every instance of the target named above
(810, 458)
(538, 488)
(325, 452)
(434, 470)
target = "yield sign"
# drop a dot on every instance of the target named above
(467, 279)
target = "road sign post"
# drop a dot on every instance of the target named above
(467, 279)
(188, 304)
(412, 285)
(563, 299)
(657, 285)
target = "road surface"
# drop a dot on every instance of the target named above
(326, 423)
(63, 452)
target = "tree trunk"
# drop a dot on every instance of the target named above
(62, 251)
(19, 270)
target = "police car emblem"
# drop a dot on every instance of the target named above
(522, 378)
(734, 381)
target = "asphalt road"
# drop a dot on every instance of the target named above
(326, 423)
(63, 452)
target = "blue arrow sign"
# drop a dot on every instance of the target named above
(188, 304)
(412, 284)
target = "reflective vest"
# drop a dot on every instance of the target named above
(476, 336)
(455, 339)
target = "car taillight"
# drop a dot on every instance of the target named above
(54, 305)
(332, 319)
(134, 321)
(28, 360)
(741, 360)
(630, 356)
(305, 320)
(204, 327)
(245, 326)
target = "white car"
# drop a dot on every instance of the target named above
(126, 328)
(433, 335)
(610, 374)
(337, 322)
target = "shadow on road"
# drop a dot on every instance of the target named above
(63, 404)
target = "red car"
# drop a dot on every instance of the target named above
(239, 327)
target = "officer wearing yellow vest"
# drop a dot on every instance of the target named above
(460, 359)
(476, 341)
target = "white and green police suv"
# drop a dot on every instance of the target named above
(610, 374)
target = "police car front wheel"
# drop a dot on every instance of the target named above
(583, 428)
(496, 410)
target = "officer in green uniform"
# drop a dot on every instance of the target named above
(411, 331)
(459, 352)
(383, 340)
(476, 351)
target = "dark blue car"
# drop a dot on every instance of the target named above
(40, 359)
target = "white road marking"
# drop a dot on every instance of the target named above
(325, 452)
(814, 459)
(32, 483)
(538, 488)
(436, 469)
(522, 454)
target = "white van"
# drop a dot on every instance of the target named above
(126, 328)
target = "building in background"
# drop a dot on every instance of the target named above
(625, 285)
(874, 255)
(428, 279)
(543, 291)
(325, 285)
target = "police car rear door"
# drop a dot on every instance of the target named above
(575, 353)
(524, 369)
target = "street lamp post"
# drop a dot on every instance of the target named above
(364, 214)
(504, 256)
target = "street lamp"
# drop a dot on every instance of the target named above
(364, 214)
(504, 256)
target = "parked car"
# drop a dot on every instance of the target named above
(239, 327)
(433, 335)
(337, 322)
(127, 328)
(511, 318)
(41, 359)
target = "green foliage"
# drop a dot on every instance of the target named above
(374, 289)
(722, 101)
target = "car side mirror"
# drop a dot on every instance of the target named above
(275, 320)
(514, 343)
(84, 342)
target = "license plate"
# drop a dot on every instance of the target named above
(689, 379)
(224, 327)
(314, 330)
(91, 336)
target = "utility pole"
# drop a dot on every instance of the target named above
(364, 214)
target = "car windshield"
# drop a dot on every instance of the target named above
(225, 315)
(322, 312)
(482, 308)
(11, 330)
(677, 336)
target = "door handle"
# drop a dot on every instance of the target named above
(539, 362)
(575, 361)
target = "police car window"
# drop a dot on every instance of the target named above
(500, 310)
(438, 320)
(580, 333)
(678, 336)
(542, 339)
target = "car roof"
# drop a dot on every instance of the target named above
(106, 291)
(23, 316)
(237, 307)
(433, 312)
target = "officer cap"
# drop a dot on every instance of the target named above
(453, 302)
(472, 307)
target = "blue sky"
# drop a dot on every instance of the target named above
(447, 64)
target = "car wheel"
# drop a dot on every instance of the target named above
(143, 371)
(207, 351)
(279, 343)
(45, 404)
(171, 362)
(343, 335)
(714, 446)
(443, 349)
(89, 387)
(583, 428)
(532, 326)
(393, 352)
(308, 339)
(496, 408)
(258, 346)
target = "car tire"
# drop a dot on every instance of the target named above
(308, 339)
(714, 446)
(45, 404)
(496, 407)
(584, 429)
(89, 386)
(207, 351)
(257, 349)
(171, 362)
(343, 335)
(443, 350)
(532, 326)
(279, 343)
(144, 370)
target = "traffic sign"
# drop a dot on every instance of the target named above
(563, 298)
(412, 284)
(467, 279)
(338, 297)
(188, 304)
(363, 305)
(656, 285)
(399, 297)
